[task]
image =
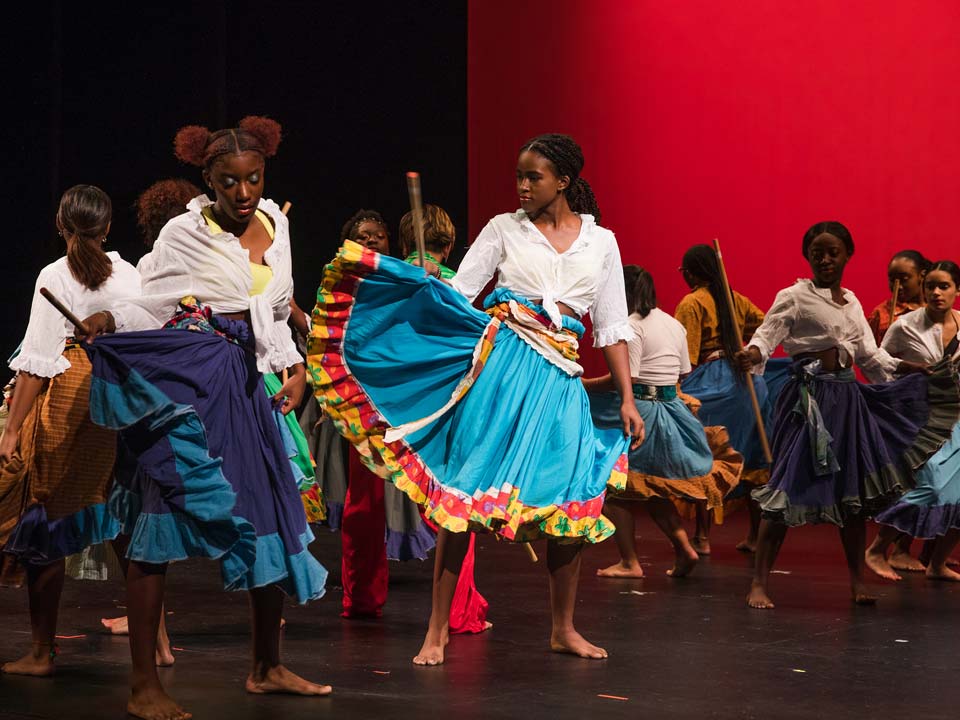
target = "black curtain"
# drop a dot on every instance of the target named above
(364, 91)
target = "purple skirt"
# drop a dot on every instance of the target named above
(203, 470)
(871, 440)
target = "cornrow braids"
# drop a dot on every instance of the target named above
(350, 227)
(566, 156)
(700, 261)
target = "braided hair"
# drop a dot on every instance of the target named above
(641, 293)
(85, 212)
(566, 157)
(196, 145)
(700, 261)
(160, 203)
(350, 227)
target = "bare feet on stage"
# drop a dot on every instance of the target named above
(574, 643)
(942, 573)
(684, 563)
(747, 546)
(433, 648)
(877, 562)
(155, 704)
(36, 663)
(280, 680)
(116, 626)
(758, 598)
(701, 545)
(862, 596)
(904, 561)
(486, 625)
(622, 570)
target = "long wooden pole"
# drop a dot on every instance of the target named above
(893, 300)
(761, 430)
(65, 311)
(416, 206)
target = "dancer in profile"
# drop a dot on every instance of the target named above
(843, 450)
(483, 420)
(57, 465)
(213, 476)
(931, 510)
(675, 460)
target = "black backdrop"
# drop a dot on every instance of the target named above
(364, 91)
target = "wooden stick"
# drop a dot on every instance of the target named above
(761, 430)
(893, 300)
(286, 207)
(531, 553)
(416, 206)
(77, 322)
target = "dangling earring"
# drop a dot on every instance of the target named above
(104, 240)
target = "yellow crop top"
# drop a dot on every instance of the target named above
(262, 274)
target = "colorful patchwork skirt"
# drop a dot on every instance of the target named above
(480, 418)
(932, 508)
(844, 448)
(53, 492)
(203, 469)
(725, 402)
(677, 459)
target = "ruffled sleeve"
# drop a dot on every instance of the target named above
(480, 263)
(41, 352)
(609, 310)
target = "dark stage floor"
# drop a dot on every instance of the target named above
(678, 648)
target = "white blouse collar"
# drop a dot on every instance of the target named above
(587, 223)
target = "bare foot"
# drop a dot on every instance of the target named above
(684, 564)
(904, 561)
(942, 573)
(861, 596)
(280, 680)
(574, 643)
(37, 664)
(116, 626)
(155, 704)
(433, 647)
(953, 561)
(747, 546)
(621, 570)
(758, 598)
(486, 625)
(878, 563)
(164, 654)
(701, 545)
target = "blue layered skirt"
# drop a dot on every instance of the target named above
(203, 469)
(844, 448)
(473, 422)
(679, 458)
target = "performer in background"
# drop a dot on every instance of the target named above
(57, 465)
(932, 509)
(482, 418)
(208, 472)
(842, 450)
(716, 383)
(675, 460)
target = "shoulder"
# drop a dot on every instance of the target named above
(121, 268)
(56, 274)
(692, 301)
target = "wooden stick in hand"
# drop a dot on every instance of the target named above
(65, 311)
(893, 300)
(761, 430)
(286, 207)
(416, 206)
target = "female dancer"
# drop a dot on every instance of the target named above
(932, 509)
(484, 421)
(842, 449)
(721, 390)
(439, 236)
(213, 476)
(58, 465)
(675, 460)
(909, 267)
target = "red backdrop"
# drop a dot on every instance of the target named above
(747, 120)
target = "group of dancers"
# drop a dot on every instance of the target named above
(161, 418)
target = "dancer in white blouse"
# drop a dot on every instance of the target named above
(56, 464)
(842, 450)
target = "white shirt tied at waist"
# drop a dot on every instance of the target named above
(41, 352)
(805, 319)
(587, 278)
(188, 258)
(915, 337)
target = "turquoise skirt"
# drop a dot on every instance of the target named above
(459, 408)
